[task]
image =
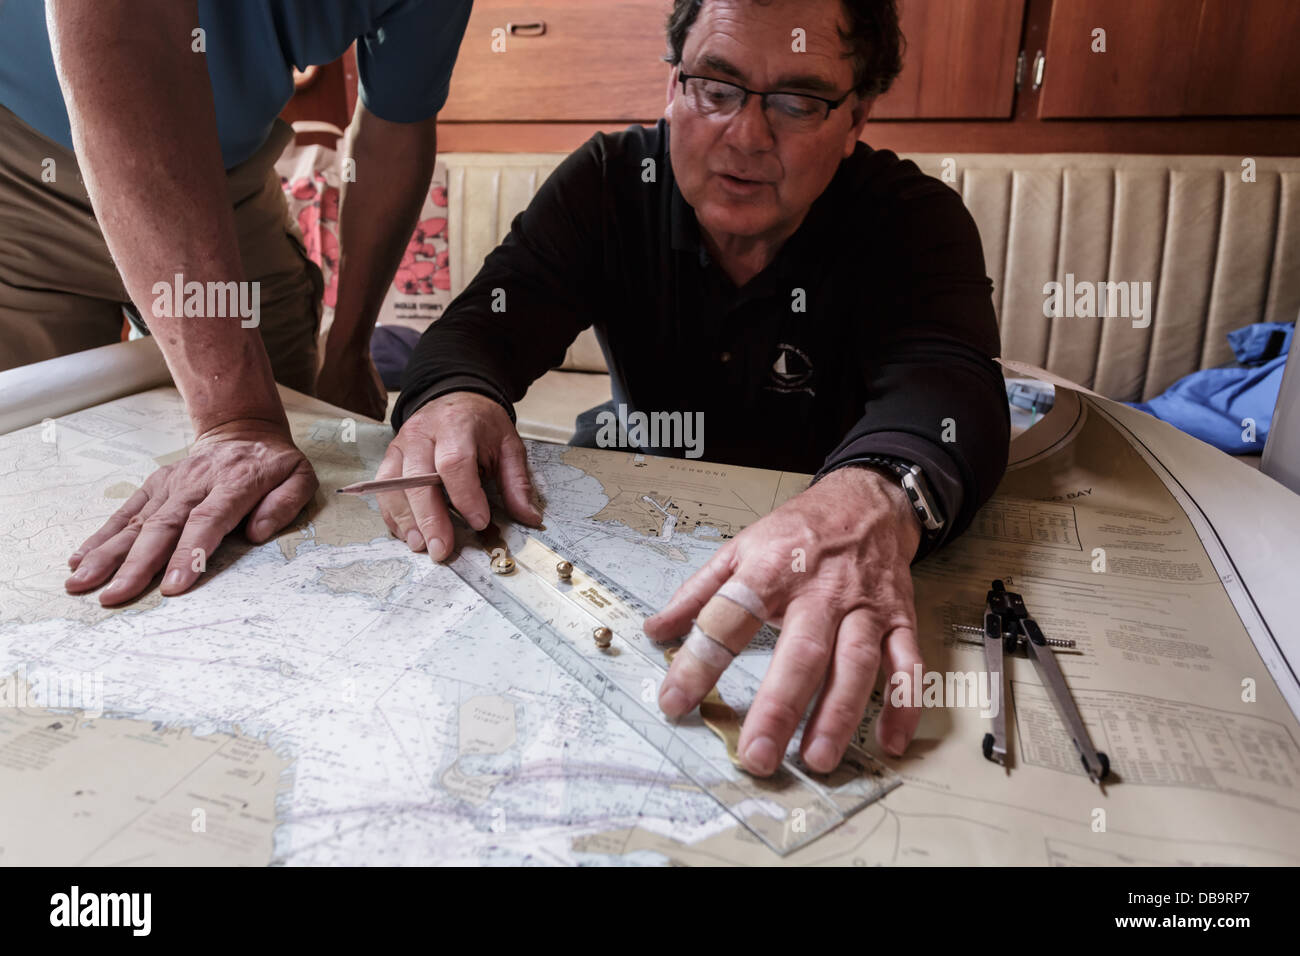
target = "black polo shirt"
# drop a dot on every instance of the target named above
(871, 332)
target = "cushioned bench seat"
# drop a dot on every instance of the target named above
(1220, 251)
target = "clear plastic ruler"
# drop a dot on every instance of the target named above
(785, 811)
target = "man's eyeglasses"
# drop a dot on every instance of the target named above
(786, 112)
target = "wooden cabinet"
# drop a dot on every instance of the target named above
(1171, 58)
(561, 60)
(1246, 59)
(960, 61)
(601, 61)
(544, 75)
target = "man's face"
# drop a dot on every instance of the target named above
(744, 178)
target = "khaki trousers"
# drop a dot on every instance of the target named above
(60, 291)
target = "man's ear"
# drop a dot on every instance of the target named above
(672, 94)
(859, 113)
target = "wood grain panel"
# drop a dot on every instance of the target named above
(1145, 70)
(1246, 137)
(595, 62)
(324, 99)
(960, 61)
(1246, 59)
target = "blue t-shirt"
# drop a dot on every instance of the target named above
(405, 53)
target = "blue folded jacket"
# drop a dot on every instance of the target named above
(1231, 408)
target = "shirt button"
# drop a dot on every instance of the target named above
(724, 358)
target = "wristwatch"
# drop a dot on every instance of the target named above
(915, 487)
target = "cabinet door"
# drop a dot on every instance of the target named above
(1246, 59)
(1145, 67)
(960, 61)
(596, 61)
(1171, 58)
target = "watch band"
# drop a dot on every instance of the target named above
(914, 486)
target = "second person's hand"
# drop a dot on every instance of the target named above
(240, 469)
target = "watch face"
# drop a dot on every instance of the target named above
(922, 501)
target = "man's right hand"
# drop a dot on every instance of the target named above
(463, 436)
(240, 469)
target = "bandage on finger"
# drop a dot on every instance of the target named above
(742, 594)
(732, 616)
(727, 623)
(716, 657)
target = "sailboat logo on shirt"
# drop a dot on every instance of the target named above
(792, 370)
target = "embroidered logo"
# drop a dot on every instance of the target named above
(792, 371)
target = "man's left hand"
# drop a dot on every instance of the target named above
(832, 566)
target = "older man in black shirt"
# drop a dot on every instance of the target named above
(823, 305)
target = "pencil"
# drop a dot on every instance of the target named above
(390, 484)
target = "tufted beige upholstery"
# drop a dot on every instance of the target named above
(1219, 253)
(485, 191)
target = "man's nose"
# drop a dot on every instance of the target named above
(749, 129)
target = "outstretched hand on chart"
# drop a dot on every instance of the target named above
(831, 566)
(242, 469)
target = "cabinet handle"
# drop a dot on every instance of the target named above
(534, 28)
